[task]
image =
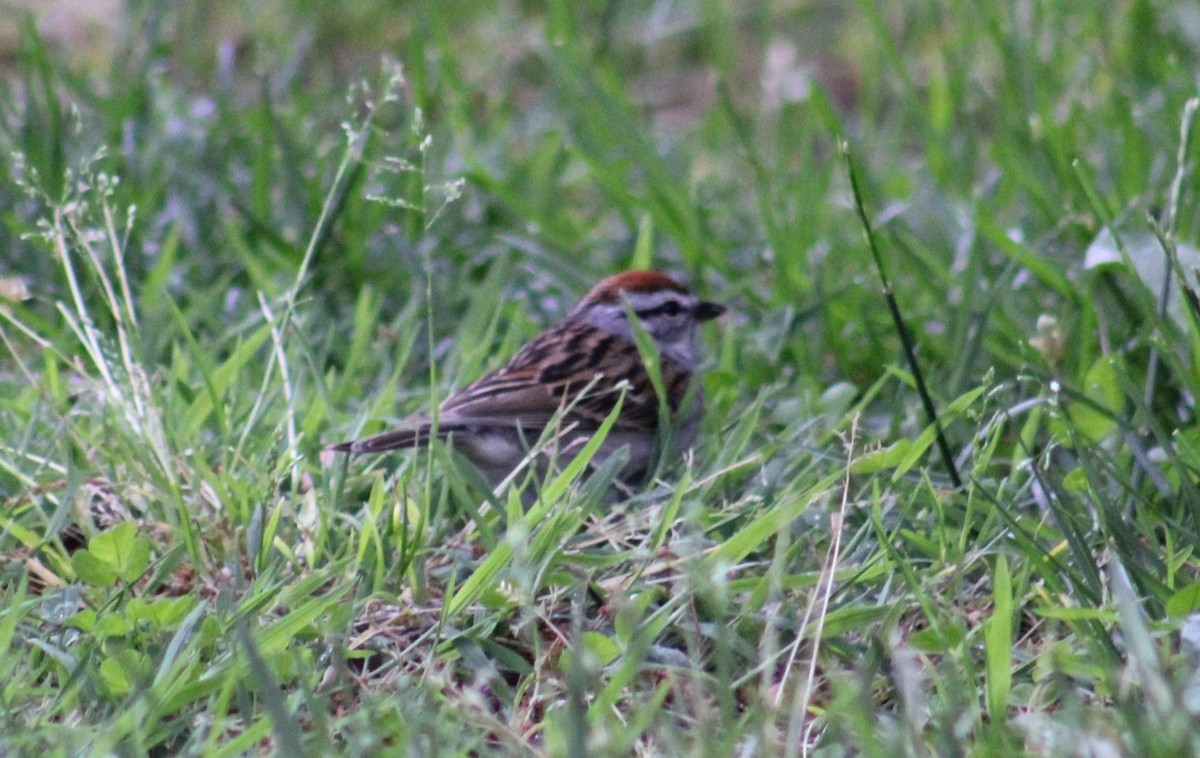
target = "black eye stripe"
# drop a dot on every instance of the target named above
(669, 308)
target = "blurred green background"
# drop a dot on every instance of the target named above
(234, 232)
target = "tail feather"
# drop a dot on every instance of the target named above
(416, 436)
(391, 440)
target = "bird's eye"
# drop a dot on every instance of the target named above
(672, 308)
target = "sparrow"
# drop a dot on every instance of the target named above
(571, 377)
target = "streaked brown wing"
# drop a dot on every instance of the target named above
(550, 371)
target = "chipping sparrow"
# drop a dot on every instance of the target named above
(579, 367)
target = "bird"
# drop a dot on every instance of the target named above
(571, 377)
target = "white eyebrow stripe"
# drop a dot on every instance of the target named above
(651, 300)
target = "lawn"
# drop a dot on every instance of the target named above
(946, 497)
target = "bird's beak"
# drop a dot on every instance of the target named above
(706, 311)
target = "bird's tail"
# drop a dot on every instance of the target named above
(392, 440)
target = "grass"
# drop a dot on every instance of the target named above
(238, 233)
